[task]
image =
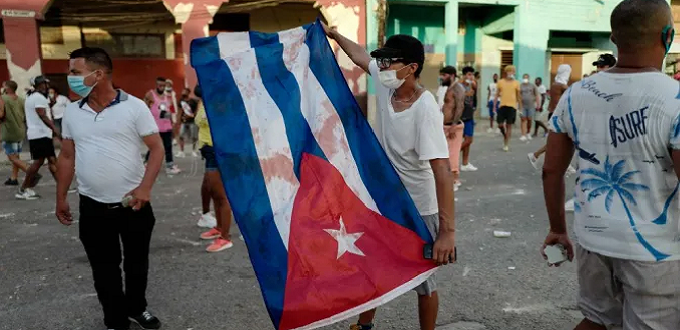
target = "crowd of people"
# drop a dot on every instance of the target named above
(623, 123)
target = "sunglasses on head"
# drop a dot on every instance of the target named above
(384, 63)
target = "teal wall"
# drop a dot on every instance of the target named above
(423, 22)
(435, 22)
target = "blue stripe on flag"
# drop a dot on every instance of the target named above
(203, 51)
(258, 39)
(285, 91)
(381, 180)
(243, 180)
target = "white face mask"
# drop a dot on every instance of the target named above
(389, 78)
(511, 76)
(526, 81)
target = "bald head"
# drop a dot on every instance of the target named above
(639, 23)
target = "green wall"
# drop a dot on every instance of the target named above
(423, 22)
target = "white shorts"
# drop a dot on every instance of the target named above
(628, 294)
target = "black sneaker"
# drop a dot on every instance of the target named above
(11, 182)
(147, 321)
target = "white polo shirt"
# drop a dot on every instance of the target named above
(35, 127)
(108, 145)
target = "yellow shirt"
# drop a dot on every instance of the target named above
(508, 90)
(204, 137)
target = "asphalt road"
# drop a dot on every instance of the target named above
(498, 283)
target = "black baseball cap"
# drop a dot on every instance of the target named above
(605, 60)
(39, 80)
(448, 70)
(404, 47)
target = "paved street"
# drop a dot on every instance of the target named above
(498, 283)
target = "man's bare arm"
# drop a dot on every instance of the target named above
(459, 101)
(449, 106)
(42, 113)
(556, 91)
(518, 94)
(156, 153)
(356, 52)
(444, 246)
(538, 97)
(148, 99)
(676, 162)
(560, 150)
(65, 168)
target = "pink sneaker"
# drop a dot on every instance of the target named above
(219, 244)
(213, 233)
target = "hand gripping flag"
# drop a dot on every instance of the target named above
(330, 229)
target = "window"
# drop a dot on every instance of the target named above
(120, 45)
(230, 22)
(51, 35)
(506, 59)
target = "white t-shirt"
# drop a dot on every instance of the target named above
(59, 106)
(441, 94)
(109, 145)
(542, 90)
(626, 199)
(35, 128)
(493, 89)
(411, 139)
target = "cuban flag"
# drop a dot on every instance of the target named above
(330, 229)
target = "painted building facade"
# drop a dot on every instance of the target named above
(534, 35)
(151, 38)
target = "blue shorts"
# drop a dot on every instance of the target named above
(469, 129)
(491, 110)
(12, 148)
(208, 154)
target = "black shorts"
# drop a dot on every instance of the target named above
(507, 115)
(41, 148)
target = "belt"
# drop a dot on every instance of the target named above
(109, 206)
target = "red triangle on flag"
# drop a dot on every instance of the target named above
(341, 254)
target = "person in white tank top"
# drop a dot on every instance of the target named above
(492, 89)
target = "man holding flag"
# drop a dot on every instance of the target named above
(409, 128)
(337, 221)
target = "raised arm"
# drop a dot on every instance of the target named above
(356, 52)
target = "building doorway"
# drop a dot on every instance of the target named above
(573, 59)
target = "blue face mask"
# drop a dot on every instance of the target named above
(667, 32)
(77, 85)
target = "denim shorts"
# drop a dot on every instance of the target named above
(208, 154)
(11, 148)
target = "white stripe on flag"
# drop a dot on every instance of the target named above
(321, 115)
(269, 134)
(231, 43)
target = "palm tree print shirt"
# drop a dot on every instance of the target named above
(624, 127)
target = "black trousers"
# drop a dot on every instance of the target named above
(102, 228)
(167, 144)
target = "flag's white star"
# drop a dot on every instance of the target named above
(346, 242)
